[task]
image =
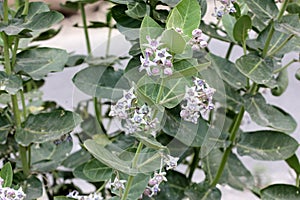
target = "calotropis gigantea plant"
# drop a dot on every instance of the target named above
(174, 103)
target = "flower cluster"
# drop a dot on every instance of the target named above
(10, 193)
(135, 118)
(92, 196)
(153, 184)
(199, 99)
(226, 7)
(157, 61)
(197, 42)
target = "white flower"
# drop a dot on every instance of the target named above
(198, 99)
(118, 184)
(197, 42)
(161, 56)
(146, 64)
(171, 162)
(92, 196)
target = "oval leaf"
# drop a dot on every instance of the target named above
(38, 62)
(97, 171)
(202, 191)
(185, 15)
(100, 81)
(269, 116)
(267, 145)
(241, 27)
(10, 83)
(280, 192)
(46, 127)
(173, 41)
(254, 68)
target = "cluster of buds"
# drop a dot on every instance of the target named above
(135, 118)
(92, 196)
(199, 100)
(197, 41)
(157, 61)
(226, 7)
(10, 193)
(153, 185)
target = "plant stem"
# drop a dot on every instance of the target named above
(26, 6)
(6, 54)
(281, 45)
(195, 162)
(297, 180)
(285, 66)
(23, 104)
(17, 4)
(134, 164)
(253, 88)
(5, 11)
(268, 40)
(14, 53)
(233, 131)
(229, 50)
(98, 112)
(282, 9)
(244, 47)
(86, 33)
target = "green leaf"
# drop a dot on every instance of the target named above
(149, 28)
(172, 91)
(289, 24)
(38, 62)
(254, 68)
(241, 27)
(6, 174)
(174, 188)
(44, 20)
(46, 127)
(228, 72)
(202, 191)
(148, 140)
(120, 16)
(108, 158)
(10, 83)
(282, 82)
(78, 173)
(280, 192)
(235, 173)
(269, 116)
(76, 159)
(101, 81)
(137, 10)
(140, 182)
(228, 22)
(186, 15)
(293, 162)
(14, 27)
(75, 4)
(5, 127)
(62, 198)
(194, 135)
(267, 145)
(265, 10)
(173, 41)
(170, 3)
(97, 171)
(49, 155)
(33, 188)
(187, 68)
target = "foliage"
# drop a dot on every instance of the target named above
(174, 100)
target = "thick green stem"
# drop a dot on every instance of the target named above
(298, 180)
(282, 10)
(269, 38)
(23, 104)
(253, 89)
(86, 33)
(98, 111)
(14, 53)
(17, 4)
(281, 45)
(194, 163)
(244, 47)
(5, 11)
(26, 6)
(233, 131)
(6, 54)
(134, 164)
